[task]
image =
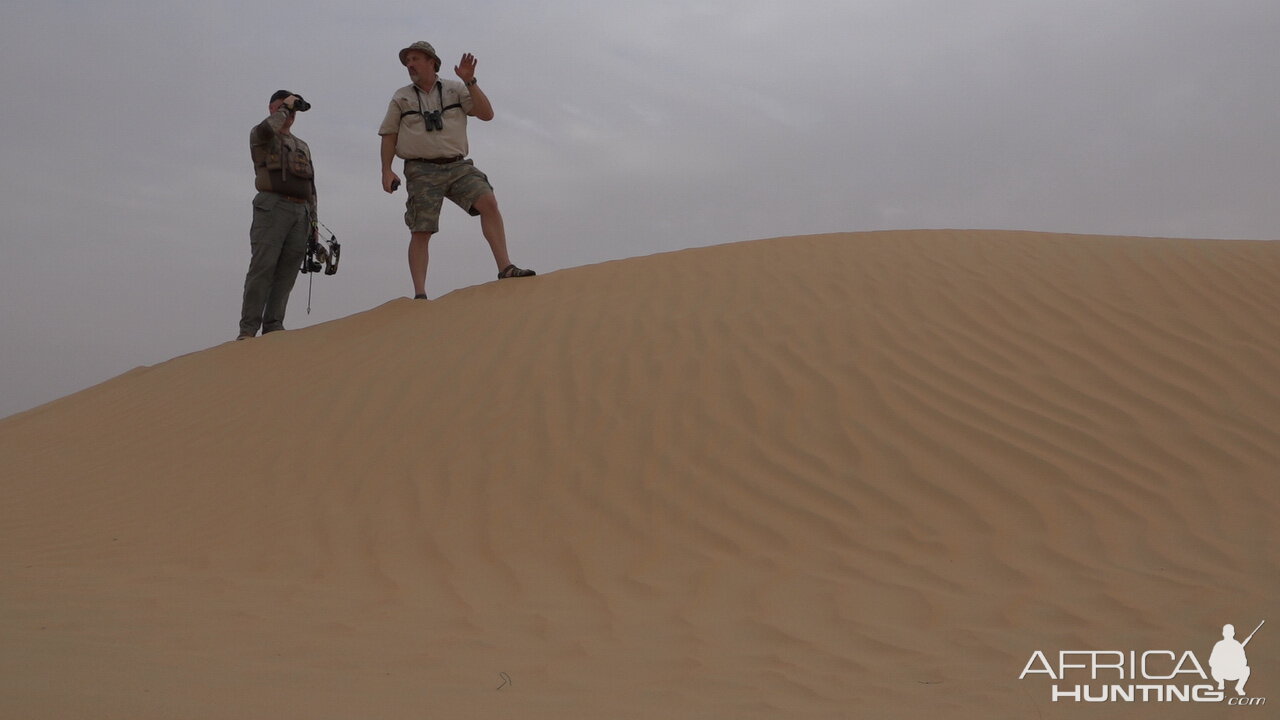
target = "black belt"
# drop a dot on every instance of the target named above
(290, 198)
(438, 161)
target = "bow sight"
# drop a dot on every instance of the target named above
(320, 256)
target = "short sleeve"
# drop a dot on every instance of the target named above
(391, 121)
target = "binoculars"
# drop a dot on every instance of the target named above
(300, 105)
(434, 120)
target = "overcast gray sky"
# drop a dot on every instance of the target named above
(622, 129)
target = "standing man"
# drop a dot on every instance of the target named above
(284, 215)
(426, 125)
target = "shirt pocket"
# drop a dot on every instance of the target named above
(299, 162)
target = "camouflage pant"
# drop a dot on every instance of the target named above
(430, 184)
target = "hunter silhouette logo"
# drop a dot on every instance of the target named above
(1228, 660)
(1150, 675)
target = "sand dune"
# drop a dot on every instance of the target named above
(859, 475)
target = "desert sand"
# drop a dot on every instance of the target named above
(840, 476)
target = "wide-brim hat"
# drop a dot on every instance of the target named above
(421, 46)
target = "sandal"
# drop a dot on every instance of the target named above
(511, 271)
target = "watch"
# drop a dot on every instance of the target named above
(472, 82)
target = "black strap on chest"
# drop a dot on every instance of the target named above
(439, 94)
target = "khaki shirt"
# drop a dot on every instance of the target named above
(413, 141)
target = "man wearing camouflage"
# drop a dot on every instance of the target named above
(426, 125)
(284, 215)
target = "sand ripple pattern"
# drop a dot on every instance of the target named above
(849, 475)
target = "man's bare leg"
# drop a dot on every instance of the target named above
(418, 257)
(494, 231)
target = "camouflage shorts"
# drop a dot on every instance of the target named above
(430, 184)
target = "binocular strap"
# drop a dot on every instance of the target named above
(439, 93)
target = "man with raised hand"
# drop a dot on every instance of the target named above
(426, 126)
